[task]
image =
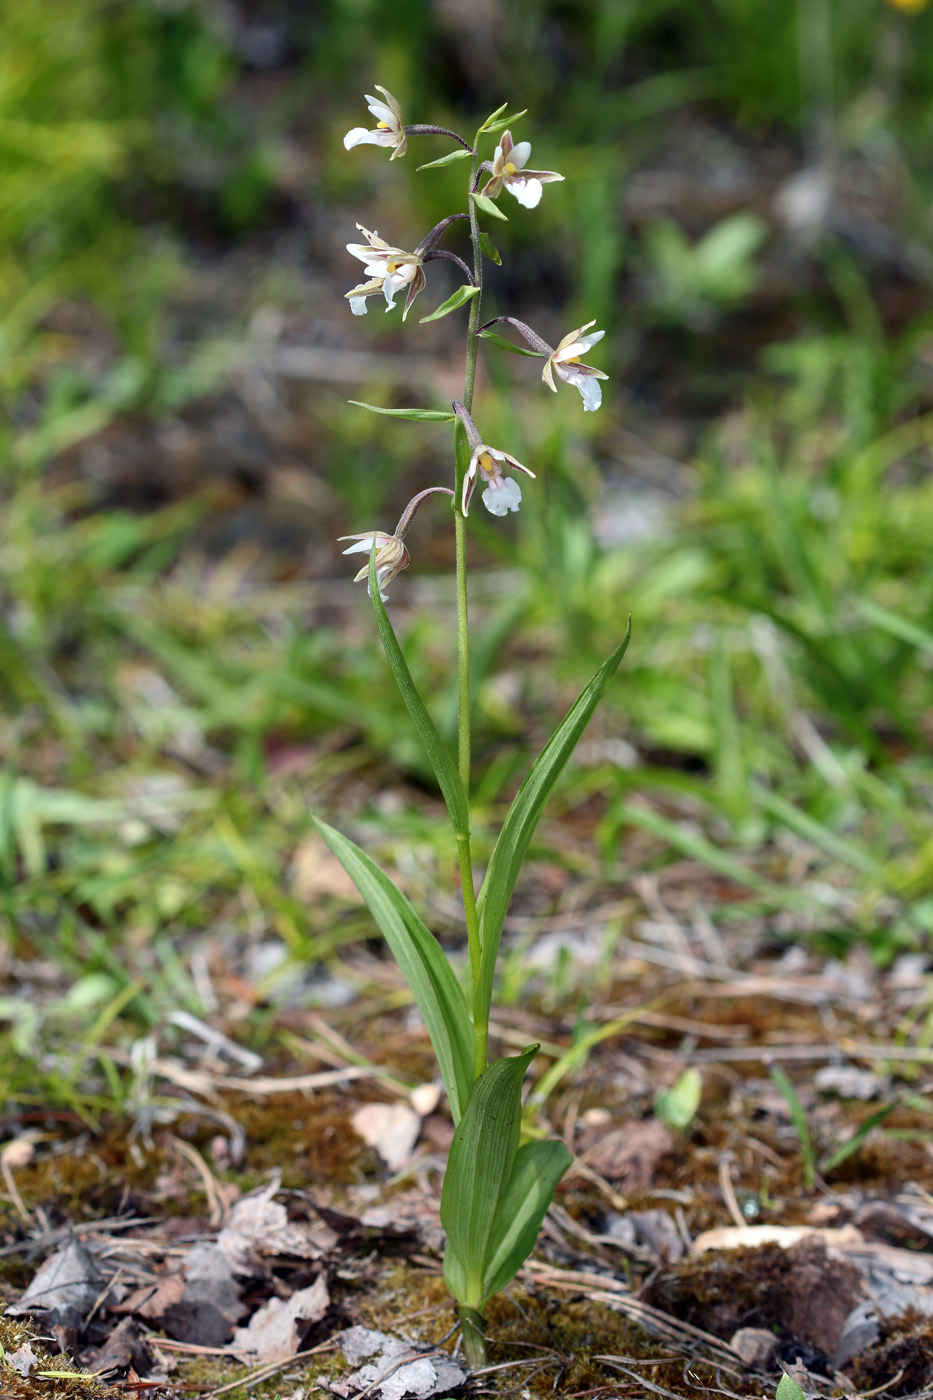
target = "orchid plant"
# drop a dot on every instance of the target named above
(496, 1188)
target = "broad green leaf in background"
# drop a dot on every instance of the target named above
(478, 1170)
(453, 303)
(448, 778)
(676, 1107)
(459, 154)
(489, 206)
(788, 1389)
(537, 1169)
(415, 415)
(525, 811)
(423, 963)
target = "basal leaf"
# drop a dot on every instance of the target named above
(415, 415)
(448, 779)
(423, 963)
(478, 1170)
(489, 206)
(537, 1169)
(503, 344)
(453, 303)
(525, 811)
(459, 154)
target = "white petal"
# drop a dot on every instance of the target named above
(580, 347)
(363, 546)
(527, 192)
(520, 153)
(358, 307)
(382, 113)
(590, 388)
(502, 495)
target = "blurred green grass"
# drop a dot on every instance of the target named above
(171, 706)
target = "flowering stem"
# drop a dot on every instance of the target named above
(480, 1009)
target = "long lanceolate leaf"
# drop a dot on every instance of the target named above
(448, 778)
(525, 811)
(422, 960)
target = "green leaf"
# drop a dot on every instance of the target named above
(852, 1144)
(459, 154)
(537, 1169)
(478, 1171)
(799, 1119)
(423, 963)
(460, 297)
(676, 1107)
(448, 779)
(416, 415)
(489, 248)
(492, 116)
(503, 121)
(503, 344)
(525, 811)
(489, 206)
(788, 1389)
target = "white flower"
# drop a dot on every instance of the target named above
(502, 494)
(565, 362)
(508, 168)
(390, 127)
(391, 556)
(389, 269)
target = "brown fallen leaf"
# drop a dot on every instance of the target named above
(391, 1128)
(275, 1330)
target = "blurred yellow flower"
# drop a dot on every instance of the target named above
(910, 7)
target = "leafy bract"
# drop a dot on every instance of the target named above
(423, 963)
(489, 206)
(478, 1171)
(453, 303)
(416, 415)
(448, 779)
(459, 154)
(489, 126)
(489, 248)
(525, 811)
(504, 344)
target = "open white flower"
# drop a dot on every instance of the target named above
(389, 269)
(508, 169)
(391, 556)
(389, 130)
(502, 493)
(565, 363)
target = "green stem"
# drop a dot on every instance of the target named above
(474, 1338)
(480, 1011)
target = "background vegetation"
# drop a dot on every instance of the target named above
(186, 665)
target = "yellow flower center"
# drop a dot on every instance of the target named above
(511, 168)
(390, 267)
(485, 464)
(574, 360)
(382, 126)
